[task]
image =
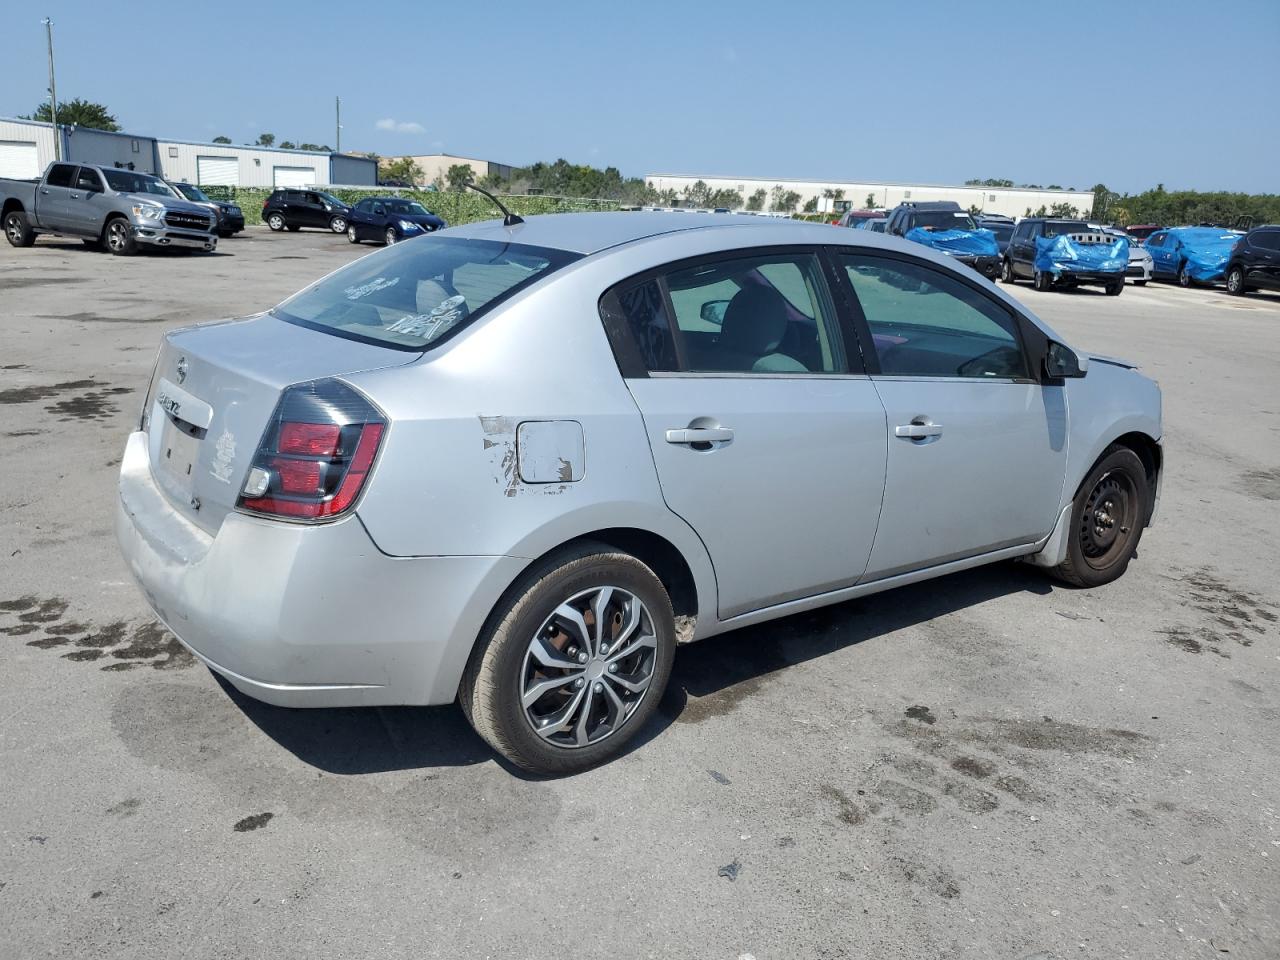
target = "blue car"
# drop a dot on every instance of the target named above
(390, 219)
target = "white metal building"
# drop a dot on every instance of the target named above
(27, 147)
(1010, 201)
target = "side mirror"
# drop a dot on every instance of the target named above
(713, 312)
(1061, 361)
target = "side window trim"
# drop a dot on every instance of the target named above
(1027, 333)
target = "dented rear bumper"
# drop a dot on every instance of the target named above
(305, 615)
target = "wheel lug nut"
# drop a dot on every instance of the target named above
(604, 648)
(599, 687)
(582, 658)
(579, 683)
(613, 668)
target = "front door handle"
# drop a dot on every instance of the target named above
(918, 431)
(700, 435)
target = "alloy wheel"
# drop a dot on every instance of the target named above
(588, 667)
(117, 236)
(13, 227)
(338, 225)
(391, 236)
(1107, 521)
(1235, 280)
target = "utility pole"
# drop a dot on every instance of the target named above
(53, 93)
(337, 142)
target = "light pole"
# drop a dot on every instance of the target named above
(53, 93)
(337, 107)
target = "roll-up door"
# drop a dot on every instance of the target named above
(218, 171)
(294, 176)
(18, 159)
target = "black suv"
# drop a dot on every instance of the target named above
(1255, 261)
(940, 215)
(1002, 227)
(295, 208)
(1020, 257)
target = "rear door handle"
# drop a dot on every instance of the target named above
(700, 435)
(918, 431)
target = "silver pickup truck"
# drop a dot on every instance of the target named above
(105, 207)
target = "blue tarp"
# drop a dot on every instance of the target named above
(1061, 254)
(1206, 250)
(981, 243)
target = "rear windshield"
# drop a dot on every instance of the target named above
(944, 220)
(414, 294)
(1054, 228)
(1003, 231)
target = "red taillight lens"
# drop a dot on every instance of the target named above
(316, 453)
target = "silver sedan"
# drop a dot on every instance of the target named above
(515, 464)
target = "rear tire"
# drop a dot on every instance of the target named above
(390, 236)
(1043, 281)
(118, 237)
(276, 222)
(1184, 278)
(1107, 517)
(526, 642)
(1235, 282)
(17, 229)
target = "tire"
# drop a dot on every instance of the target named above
(117, 235)
(1006, 271)
(1139, 283)
(390, 236)
(1107, 517)
(351, 234)
(1235, 281)
(276, 221)
(1184, 278)
(17, 229)
(338, 224)
(504, 666)
(1043, 281)
(1115, 288)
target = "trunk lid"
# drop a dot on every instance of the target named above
(213, 392)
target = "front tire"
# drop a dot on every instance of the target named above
(351, 234)
(1235, 282)
(1043, 281)
(1115, 288)
(550, 691)
(391, 237)
(17, 229)
(1184, 278)
(276, 222)
(1107, 517)
(118, 235)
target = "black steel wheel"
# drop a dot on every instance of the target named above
(1110, 510)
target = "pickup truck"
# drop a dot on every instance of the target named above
(104, 206)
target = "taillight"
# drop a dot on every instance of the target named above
(316, 453)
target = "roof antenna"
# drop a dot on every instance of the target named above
(509, 219)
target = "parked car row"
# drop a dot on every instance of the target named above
(381, 219)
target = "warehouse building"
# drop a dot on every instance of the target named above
(1010, 201)
(27, 147)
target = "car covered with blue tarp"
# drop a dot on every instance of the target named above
(1061, 252)
(946, 228)
(1191, 254)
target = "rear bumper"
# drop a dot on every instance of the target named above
(227, 224)
(305, 616)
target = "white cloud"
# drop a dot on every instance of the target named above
(400, 126)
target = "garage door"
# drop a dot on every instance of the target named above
(218, 171)
(295, 176)
(18, 159)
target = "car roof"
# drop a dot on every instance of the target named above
(589, 233)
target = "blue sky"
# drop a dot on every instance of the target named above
(1069, 92)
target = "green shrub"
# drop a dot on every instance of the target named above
(456, 208)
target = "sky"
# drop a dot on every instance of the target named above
(1074, 94)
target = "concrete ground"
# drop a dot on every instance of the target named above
(987, 766)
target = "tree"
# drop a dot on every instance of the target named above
(287, 145)
(988, 183)
(729, 199)
(82, 113)
(697, 195)
(265, 139)
(1064, 209)
(811, 205)
(221, 139)
(782, 200)
(403, 170)
(318, 148)
(1103, 201)
(870, 203)
(459, 175)
(757, 199)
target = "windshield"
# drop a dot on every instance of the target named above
(126, 181)
(1003, 231)
(191, 193)
(944, 220)
(1054, 228)
(407, 207)
(412, 295)
(330, 199)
